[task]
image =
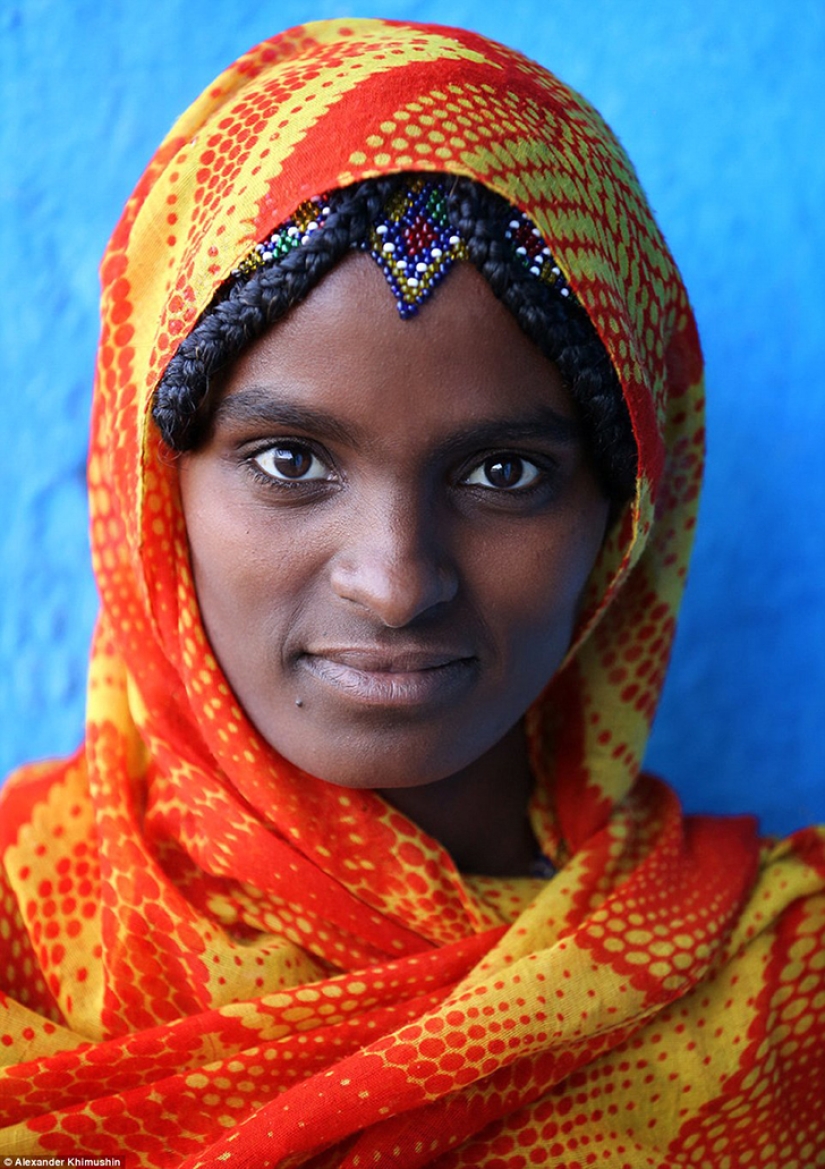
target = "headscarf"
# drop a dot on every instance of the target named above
(209, 957)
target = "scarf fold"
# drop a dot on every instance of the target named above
(208, 956)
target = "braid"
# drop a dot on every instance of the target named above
(183, 405)
(183, 402)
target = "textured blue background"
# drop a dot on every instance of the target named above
(720, 105)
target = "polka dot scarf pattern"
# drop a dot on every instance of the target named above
(208, 958)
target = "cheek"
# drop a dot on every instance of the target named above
(250, 595)
(251, 577)
(533, 597)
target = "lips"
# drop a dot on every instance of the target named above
(400, 677)
(390, 661)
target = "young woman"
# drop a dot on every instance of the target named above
(396, 452)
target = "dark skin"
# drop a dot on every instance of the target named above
(391, 525)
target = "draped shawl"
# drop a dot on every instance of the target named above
(210, 958)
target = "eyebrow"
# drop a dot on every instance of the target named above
(260, 404)
(540, 425)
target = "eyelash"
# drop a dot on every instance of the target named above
(543, 466)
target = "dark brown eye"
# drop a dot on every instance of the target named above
(504, 472)
(291, 462)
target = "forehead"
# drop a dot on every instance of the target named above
(346, 348)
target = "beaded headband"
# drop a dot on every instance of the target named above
(413, 242)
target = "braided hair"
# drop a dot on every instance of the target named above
(245, 307)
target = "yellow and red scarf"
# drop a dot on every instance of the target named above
(209, 958)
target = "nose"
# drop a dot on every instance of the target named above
(392, 563)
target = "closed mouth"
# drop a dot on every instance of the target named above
(376, 660)
(378, 677)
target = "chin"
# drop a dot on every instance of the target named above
(379, 761)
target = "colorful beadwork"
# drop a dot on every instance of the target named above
(415, 246)
(413, 242)
(534, 252)
(293, 233)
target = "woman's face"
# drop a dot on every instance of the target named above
(390, 527)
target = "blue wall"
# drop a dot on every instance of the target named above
(720, 104)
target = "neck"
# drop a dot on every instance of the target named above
(479, 814)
